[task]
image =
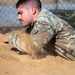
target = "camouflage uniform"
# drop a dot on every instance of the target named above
(49, 29)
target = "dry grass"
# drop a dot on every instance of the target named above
(8, 2)
(13, 2)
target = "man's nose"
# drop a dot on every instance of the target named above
(19, 17)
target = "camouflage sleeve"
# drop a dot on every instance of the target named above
(15, 40)
(42, 33)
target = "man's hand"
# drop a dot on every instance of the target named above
(5, 37)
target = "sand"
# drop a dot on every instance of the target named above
(13, 63)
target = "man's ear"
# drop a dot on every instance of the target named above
(33, 11)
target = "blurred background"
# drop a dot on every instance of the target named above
(65, 9)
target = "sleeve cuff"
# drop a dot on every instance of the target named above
(10, 38)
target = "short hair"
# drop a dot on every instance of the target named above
(36, 3)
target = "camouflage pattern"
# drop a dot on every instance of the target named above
(50, 30)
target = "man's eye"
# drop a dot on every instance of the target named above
(19, 12)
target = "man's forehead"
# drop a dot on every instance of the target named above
(20, 7)
(23, 7)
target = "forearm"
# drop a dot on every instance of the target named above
(15, 41)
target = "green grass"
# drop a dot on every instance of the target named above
(68, 15)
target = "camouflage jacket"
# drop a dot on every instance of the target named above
(50, 30)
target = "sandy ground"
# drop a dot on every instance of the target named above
(13, 63)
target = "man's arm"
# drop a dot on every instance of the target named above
(42, 34)
(15, 39)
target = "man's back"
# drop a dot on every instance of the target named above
(58, 34)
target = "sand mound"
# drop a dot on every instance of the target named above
(12, 63)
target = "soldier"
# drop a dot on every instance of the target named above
(47, 31)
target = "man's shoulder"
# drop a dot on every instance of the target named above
(44, 15)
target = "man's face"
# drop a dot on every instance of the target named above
(24, 15)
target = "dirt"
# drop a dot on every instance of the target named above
(13, 63)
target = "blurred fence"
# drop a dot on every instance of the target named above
(62, 8)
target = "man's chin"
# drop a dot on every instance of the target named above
(24, 25)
